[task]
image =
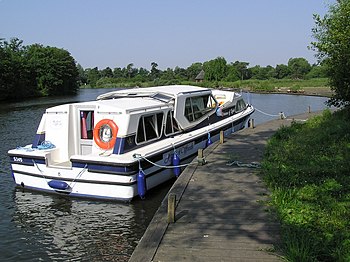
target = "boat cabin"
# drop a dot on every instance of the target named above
(124, 120)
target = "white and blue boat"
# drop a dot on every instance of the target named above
(116, 146)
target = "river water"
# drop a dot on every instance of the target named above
(43, 227)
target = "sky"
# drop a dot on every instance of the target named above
(115, 33)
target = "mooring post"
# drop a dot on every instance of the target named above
(200, 157)
(171, 208)
(222, 137)
(251, 123)
(281, 115)
(309, 109)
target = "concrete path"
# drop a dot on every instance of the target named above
(220, 212)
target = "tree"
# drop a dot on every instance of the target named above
(54, 69)
(193, 70)
(107, 72)
(27, 71)
(180, 73)
(92, 76)
(242, 69)
(117, 72)
(232, 73)
(155, 72)
(332, 34)
(216, 69)
(82, 78)
(298, 67)
(281, 71)
(143, 74)
(262, 73)
(168, 74)
(16, 80)
(317, 71)
(130, 70)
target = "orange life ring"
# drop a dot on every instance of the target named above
(105, 133)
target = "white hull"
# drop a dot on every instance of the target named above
(115, 176)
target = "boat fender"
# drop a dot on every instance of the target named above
(57, 184)
(176, 163)
(209, 141)
(105, 134)
(141, 184)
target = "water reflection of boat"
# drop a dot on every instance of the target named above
(68, 229)
(114, 148)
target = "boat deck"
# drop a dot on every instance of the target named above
(220, 213)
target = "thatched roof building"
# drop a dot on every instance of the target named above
(200, 76)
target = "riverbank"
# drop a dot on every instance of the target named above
(220, 212)
(322, 91)
(311, 87)
(306, 167)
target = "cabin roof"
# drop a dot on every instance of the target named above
(136, 99)
(143, 99)
(130, 104)
(178, 89)
(171, 91)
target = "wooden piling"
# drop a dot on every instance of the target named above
(222, 137)
(309, 109)
(200, 157)
(171, 208)
(251, 123)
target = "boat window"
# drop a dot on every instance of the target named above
(199, 106)
(149, 128)
(86, 124)
(240, 105)
(171, 125)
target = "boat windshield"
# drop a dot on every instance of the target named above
(199, 106)
(240, 106)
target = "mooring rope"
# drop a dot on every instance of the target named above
(240, 164)
(41, 172)
(281, 114)
(78, 176)
(46, 145)
(157, 165)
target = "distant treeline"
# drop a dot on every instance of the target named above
(215, 71)
(35, 70)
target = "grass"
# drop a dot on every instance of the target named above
(306, 166)
(271, 85)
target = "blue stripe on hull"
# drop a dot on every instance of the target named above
(132, 168)
(25, 160)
